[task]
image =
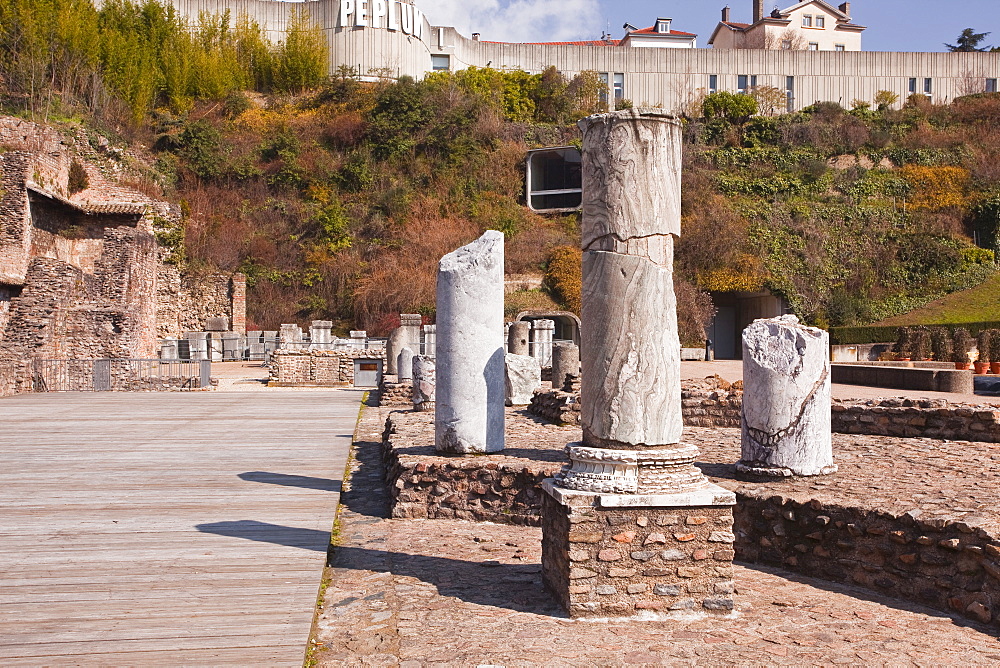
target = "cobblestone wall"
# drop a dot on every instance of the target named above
(392, 393)
(720, 406)
(916, 418)
(318, 367)
(945, 564)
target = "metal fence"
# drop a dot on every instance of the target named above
(120, 375)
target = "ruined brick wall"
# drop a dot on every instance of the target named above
(15, 223)
(184, 303)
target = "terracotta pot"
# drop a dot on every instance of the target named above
(995, 367)
(981, 367)
(964, 366)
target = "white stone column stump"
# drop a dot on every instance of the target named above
(404, 365)
(786, 400)
(469, 410)
(517, 338)
(423, 383)
(542, 333)
(524, 376)
(631, 527)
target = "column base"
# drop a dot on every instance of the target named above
(765, 471)
(649, 556)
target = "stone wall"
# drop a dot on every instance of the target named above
(317, 367)
(918, 418)
(185, 303)
(712, 402)
(944, 564)
(393, 393)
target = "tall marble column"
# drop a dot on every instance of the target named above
(631, 470)
(469, 409)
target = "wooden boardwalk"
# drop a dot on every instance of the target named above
(166, 529)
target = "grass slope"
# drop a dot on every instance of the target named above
(978, 304)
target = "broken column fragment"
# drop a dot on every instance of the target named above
(524, 376)
(423, 383)
(565, 365)
(786, 399)
(469, 410)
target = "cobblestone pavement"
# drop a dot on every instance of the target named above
(447, 592)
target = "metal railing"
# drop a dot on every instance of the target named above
(120, 375)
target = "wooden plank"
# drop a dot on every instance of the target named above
(139, 529)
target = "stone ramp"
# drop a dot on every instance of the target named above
(166, 529)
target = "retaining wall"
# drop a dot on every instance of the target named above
(317, 367)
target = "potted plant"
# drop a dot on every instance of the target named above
(902, 348)
(962, 342)
(921, 345)
(941, 340)
(984, 345)
(994, 348)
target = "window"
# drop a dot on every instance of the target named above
(742, 83)
(991, 85)
(619, 84)
(807, 21)
(820, 21)
(753, 81)
(790, 93)
(441, 62)
(928, 86)
(786, 44)
(814, 46)
(713, 83)
(913, 86)
(554, 179)
(604, 88)
(839, 47)
(662, 26)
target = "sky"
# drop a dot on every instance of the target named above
(893, 25)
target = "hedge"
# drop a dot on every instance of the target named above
(884, 334)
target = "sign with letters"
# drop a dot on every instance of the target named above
(382, 14)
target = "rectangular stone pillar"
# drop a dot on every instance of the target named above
(659, 557)
(631, 526)
(430, 340)
(321, 335)
(238, 294)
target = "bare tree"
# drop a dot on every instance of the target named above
(970, 82)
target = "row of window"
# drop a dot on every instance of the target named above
(810, 21)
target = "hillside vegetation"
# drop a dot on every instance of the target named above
(337, 197)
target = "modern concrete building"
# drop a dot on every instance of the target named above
(393, 38)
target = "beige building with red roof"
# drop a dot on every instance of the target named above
(811, 25)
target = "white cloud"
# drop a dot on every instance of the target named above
(518, 20)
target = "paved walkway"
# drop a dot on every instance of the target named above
(166, 529)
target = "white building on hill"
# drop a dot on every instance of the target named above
(811, 25)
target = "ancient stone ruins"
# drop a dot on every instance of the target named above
(82, 274)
